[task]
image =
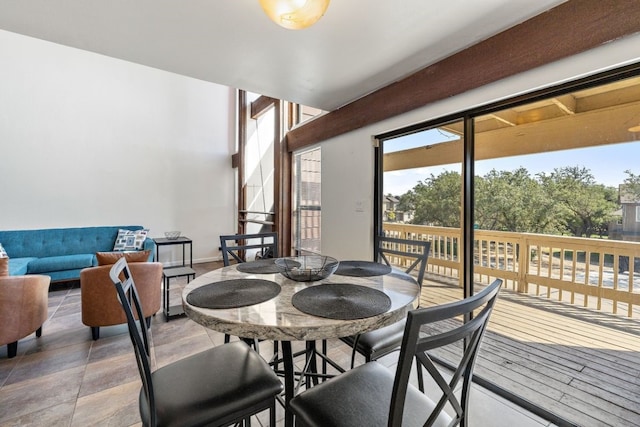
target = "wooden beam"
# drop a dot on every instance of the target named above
(566, 30)
(261, 105)
(456, 128)
(566, 103)
(238, 158)
(601, 127)
(444, 153)
(508, 117)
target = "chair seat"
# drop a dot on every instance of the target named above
(216, 384)
(369, 388)
(379, 342)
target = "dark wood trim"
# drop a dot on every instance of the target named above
(285, 207)
(278, 134)
(261, 105)
(566, 30)
(239, 156)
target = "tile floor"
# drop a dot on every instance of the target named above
(64, 378)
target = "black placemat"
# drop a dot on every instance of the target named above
(341, 301)
(259, 266)
(233, 293)
(362, 269)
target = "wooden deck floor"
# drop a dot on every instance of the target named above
(577, 363)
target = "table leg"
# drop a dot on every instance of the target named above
(287, 359)
(164, 298)
(312, 363)
(324, 361)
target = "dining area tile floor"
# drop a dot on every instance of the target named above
(64, 378)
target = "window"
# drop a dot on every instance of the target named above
(306, 202)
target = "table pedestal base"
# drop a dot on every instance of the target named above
(309, 374)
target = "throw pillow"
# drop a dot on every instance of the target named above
(108, 258)
(4, 262)
(129, 240)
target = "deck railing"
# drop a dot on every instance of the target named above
(596, 273)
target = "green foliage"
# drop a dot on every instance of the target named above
(513, 201)
(437, 200)
(566, 201)
(632, 184)
(583, 206)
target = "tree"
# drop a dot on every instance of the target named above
(568, 200)
(513, 201)
(406, 202)
(583, 206)
(436, 201)
(632, 184)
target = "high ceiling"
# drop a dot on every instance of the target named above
(357, 47)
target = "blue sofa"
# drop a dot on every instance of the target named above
(61, 252)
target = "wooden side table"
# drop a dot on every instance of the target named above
(169, 273)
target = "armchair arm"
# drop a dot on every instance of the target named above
(23, 305)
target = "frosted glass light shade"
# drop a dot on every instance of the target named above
(295, 14)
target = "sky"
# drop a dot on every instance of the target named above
(606, 163)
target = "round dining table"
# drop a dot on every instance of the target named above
(280, 318)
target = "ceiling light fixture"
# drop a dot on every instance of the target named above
(634, 128)
(295, 14)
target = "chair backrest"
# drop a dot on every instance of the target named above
(128, 296)
(417, 251)
(417, 344)
(237, 246)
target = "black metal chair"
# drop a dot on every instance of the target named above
(371, 395)
(237, 246)
(221, 386)
(380, 342)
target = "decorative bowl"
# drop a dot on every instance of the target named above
(307, 268)
(172, 235)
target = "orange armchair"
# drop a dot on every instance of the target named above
(23, 308)
(100, 305)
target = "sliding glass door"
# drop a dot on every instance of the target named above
(421, 200)
(554, 192)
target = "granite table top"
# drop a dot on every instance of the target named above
(277, 319)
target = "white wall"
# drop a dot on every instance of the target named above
(89, 140)
(347, 160)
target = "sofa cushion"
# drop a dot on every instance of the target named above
(130, 240)
(108, 258)
(18, 266)
(59, 263)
